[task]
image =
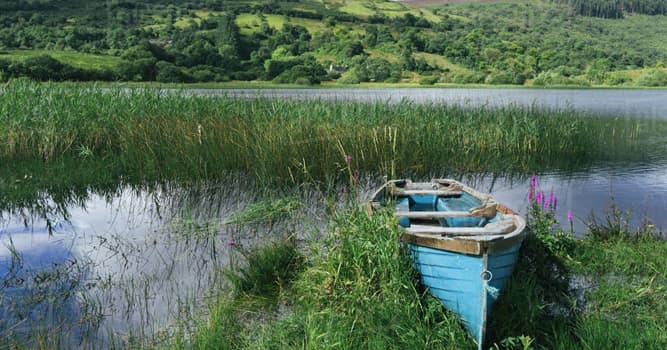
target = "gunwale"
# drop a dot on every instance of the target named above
(476, 242)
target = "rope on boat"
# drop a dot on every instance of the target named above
(486, 277)
(493, 291)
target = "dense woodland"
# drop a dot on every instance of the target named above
(307, 42)
(616, 8)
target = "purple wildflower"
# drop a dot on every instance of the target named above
(231, 243)
(570, 217)
(533, 181)
(546, 205)
(538, 198)
(551, 197)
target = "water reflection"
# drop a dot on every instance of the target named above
(88, 268)
(641, 192)
(118, 264)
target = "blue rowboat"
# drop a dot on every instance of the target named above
(464, 244)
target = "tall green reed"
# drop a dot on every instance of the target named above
(153, 133)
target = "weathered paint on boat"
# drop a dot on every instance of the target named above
(463, 244)
(468, 285)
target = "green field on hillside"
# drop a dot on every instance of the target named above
(76, 59)
(519, 42)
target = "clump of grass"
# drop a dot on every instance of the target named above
(362, 293)
(267, 269)
(267, 211)
(223, 329)
(615, 225)
(258, 286)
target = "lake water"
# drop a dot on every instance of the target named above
(624, 103)
(106, 265)
(101, 267)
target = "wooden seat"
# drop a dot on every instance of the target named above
(499, 227)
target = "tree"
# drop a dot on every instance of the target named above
(201, 52)
(42, 68)
(167, 72)
(353, 49)
(227, 41)
(373, 69)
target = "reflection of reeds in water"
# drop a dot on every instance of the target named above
(148, 134)
(38, 304)
(136, 280)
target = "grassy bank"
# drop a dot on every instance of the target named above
(358, 290)
(150, 134)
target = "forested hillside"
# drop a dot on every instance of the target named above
(617, 8)
(560, 42)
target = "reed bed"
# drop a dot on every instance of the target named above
(153, 133)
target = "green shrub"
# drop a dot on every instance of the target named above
(312, 73)
(302, 81)
(202, 74)
(467, 77)
(167, 72)
(428, 80)
(500, 77)
(392, 80)
(348, 78)
(373, 69)
(616, 78)
(554, 78)
(654, 77)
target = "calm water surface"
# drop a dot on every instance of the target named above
(107, 267)
(625, 103)
(98, 268)
(101, 267)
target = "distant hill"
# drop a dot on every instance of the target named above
(426, 3)
(560, 42)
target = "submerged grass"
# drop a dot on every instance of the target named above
(267, 211)
(150, 133)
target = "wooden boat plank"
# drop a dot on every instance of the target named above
(496, 228)
(460, 246)
(439, 193)
(437, 214)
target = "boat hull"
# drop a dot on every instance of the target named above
(468, 285)
(464, 243)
